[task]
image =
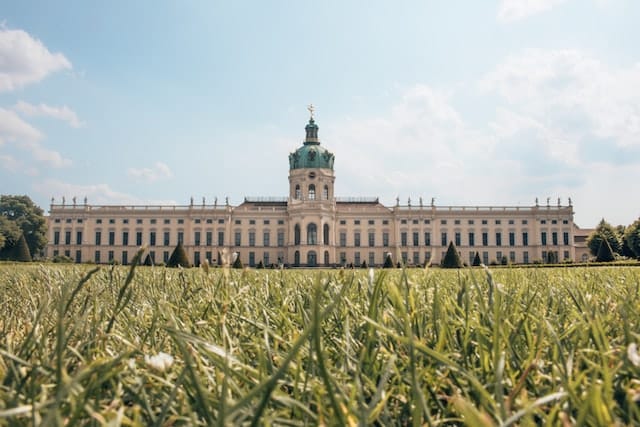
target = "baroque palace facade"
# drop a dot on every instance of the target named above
(311, 227)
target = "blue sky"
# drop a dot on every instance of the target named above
(468, 102)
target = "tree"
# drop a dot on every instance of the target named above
(148, 261)
(178, 257)
(29, 218)
(237, 263)
(452, 258)
(9, 235)
(476, 260)
(605, 231)
(632, 237)
(21, 251)
(388, 262)
(605, 253)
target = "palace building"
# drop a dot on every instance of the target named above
(311, 227)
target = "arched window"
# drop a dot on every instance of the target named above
(296, 234)
(312, 234)
(296, 258)
(325, 234)
(325, 193)
(312, 192)
(297, 195)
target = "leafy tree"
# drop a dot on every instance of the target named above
(9, 235)
(29, 218)
(452, 258)
(632, 237)
(178, 257)
(21, 251)
(605, 231)
(625, 249)
(388, 262)
(605, 253)
(476, 260)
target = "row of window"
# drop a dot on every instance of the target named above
(311, 192)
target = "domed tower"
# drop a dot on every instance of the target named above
(311, 206)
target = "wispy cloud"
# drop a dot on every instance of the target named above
(515, 10)
(157, 172)
(63, 113)
(21, 134)
(97, 194)
(25, 60)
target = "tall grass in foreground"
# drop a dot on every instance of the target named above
(154, 346)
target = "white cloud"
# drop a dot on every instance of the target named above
(9, 163)
(514, 10)
(25, 60)
(157, 172)
(63, 113)
(15, 130)
(564, 87)
(96, 194)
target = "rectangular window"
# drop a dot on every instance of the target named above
(280, 239)
(499, 256)
(196, 241)
(252, 238)
(266, 222)
(197, 221)
(78, 256)
(78, 237)
(167, 238)
(238, 238)
(125, 238)
(165, 256)
(472, 256)
(416, 238)
(443, 221)
(403, 238)
(472, 239)
(167, 221)
(372, 259)
(125, 258)
(566, 255)
(56, 238)
(485, 257)
(554, 238)
(152, 238)
(356, 221)
(209, 256)
(512, 238)
(385, 239)
(112, 238)
(458, 239)
(181, 221)
(252, 222)
(385, 222)
(209, 239)
(138, 238)
(181, 237)
(98, 238)
(525, 238)
(221, 221)
(67, 237)
(427, 257)
(498, 239)
(565, 238)
(152, 255)
(196, 257)
(266, 239)
(416, 258)
(110, 256)
(343, 258)
(343, 239)
(525, 257)
(220, 238)
(98, 221)
(498, 222)
(96, 257)
(404, 256)
(427, 238)
(356, 239)
(356, 259)
(372, 239)
(138, 221)
(371, 222)
(512, 256)
(543, 238)
(443, 238)
(485, 239)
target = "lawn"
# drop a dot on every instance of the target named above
(113, 345)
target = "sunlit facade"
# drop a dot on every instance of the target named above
(311, 227)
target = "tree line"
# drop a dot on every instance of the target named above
(23, 229)
(607, 242)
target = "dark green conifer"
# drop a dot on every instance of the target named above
(605, 254)
(178, 257)
(21, 250)
(452, 258)
(476, 260)
(388, 262)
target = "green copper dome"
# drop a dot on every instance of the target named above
(311, 154)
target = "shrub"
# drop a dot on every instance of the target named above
(21, 250)
(605, 254)
(62, 259)
(476, 260)
(504, 260)
(388, 262)
(260, 265)
(364, 264)
(452, 258)
(178, 257)
(237, 263)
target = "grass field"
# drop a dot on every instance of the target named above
(81, 345)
